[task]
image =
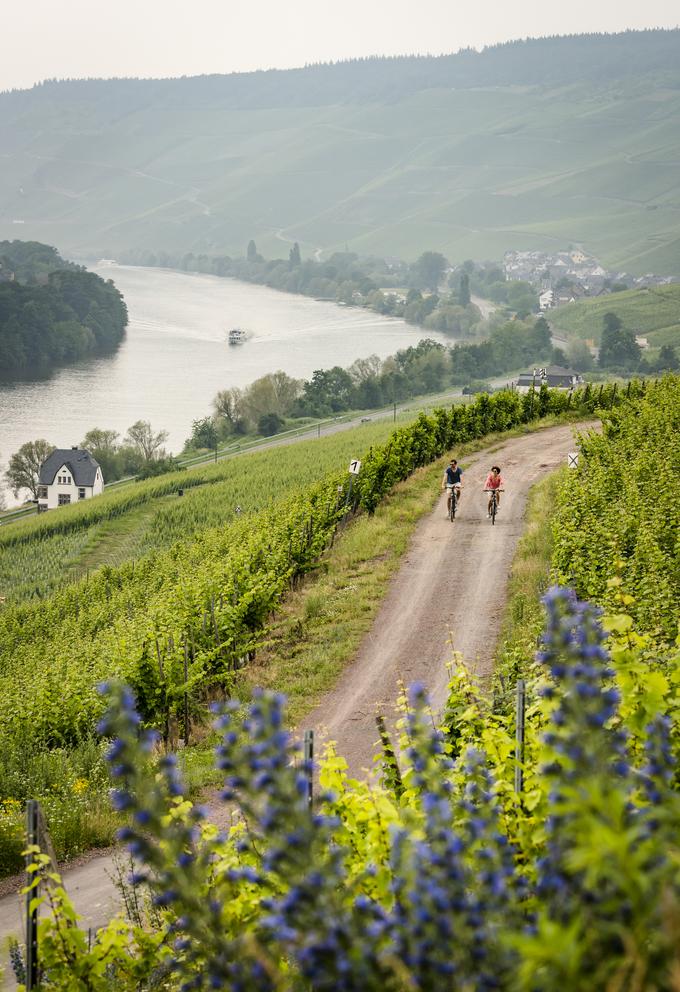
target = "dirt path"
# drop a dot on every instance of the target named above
(448, 596)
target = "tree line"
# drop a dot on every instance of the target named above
(52, 311)
(428, 292)
(369, 383)
(549, 61)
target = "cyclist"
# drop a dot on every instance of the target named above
(453, 478)
(494, 480)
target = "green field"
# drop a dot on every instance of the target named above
(653, 312)
(530, 145)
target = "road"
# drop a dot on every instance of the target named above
(449, 594)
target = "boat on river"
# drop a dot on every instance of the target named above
(237, 335)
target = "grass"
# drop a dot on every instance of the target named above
(116, 540)
(529, 578)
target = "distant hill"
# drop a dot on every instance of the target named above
(531, 144)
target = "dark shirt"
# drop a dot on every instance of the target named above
(453, 475)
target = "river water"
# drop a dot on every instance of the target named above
(175, 356)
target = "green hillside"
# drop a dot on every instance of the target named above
(534, 144)
(653, 312)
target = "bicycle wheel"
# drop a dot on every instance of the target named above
(452, 506)
(493, 511)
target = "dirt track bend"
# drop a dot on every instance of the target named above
(448, 595)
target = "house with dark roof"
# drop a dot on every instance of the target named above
(67, 476)
(552, 375)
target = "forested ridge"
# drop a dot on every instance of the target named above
(53, 311)
(527, 62)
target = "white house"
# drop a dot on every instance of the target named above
(546, 300)
(66, 476)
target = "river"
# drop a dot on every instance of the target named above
(175, 356)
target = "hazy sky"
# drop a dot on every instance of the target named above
(42, 39)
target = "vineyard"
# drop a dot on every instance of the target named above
(179, 623)
(452, 874)
(42, 553)
(444, 878)
(619, 515)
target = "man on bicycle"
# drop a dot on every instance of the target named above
(453, 479)
(494, 482)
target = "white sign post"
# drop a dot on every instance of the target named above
(572, 459)
(354, 467)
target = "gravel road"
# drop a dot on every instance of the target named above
(449, 594)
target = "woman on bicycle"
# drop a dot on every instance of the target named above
(494, 481)
(453, 478)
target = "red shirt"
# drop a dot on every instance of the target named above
(493, 481)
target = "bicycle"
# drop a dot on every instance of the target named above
(494, 503)
(453, 502)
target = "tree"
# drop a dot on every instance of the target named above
(429, 269)
(98, 439)
(147, 444)
(618, 347)
(104, 448)
(329, 390)
(273, 393)
(228, 406)
(204, 434)
(294, 257)
(251, 253)
(464, 290)
(23, 471)
(269, 423)
(668, 359)
(541, 340)
(364, 369)
(579, 356)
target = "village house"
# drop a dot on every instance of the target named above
(552, 375)
(546, 300)
(67, 476)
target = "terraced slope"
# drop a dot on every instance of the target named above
(653, 312)
(534, 144)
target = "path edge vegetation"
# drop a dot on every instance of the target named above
(524, 615)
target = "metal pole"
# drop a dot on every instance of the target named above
(186, 694)
(394, 418)
(519, 736)
(309, 759)
(31, 913)
(348, 501)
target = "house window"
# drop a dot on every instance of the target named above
(42, 492)
(81, 492)
(64, 499)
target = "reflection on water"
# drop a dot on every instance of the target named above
(176, 357)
